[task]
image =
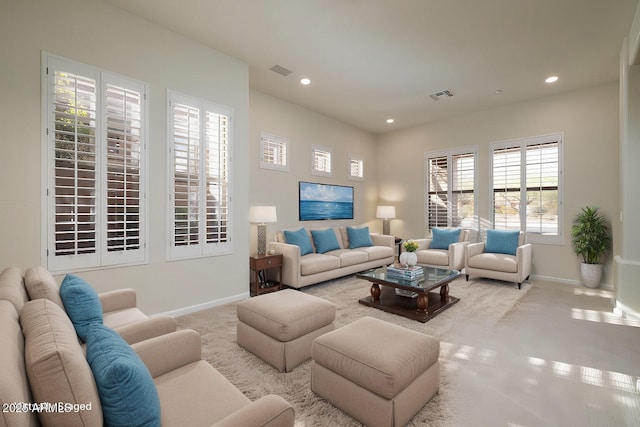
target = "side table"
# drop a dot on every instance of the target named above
(259, 265)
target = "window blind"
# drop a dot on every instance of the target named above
(273, 152)
(321, 161)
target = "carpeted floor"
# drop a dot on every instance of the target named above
(482, 304)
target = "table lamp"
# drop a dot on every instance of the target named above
(261, 215)
(387, 213)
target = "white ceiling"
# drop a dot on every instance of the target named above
(373, 59)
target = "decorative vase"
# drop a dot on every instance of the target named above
(591, 274)
(408, 258)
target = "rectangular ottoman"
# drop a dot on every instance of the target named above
(379, 373)
(280, 327)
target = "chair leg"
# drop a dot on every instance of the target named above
(467, 277)
(519, 285)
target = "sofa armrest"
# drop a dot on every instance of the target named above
(146, 329)
(118, 299)
(168, 352)
(457, 253)
(524, 256)
(383, 240)
(473, 249)
(269, 410)
(290, 261)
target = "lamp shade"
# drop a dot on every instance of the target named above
(262, 214)
(386, 212)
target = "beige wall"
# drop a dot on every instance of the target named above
(589, 120)
(305, 128)
(95, 33)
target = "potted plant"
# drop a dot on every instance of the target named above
(409, 257)
(590, 239)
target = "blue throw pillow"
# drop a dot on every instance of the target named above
(127, 392)
(82, 304)
(502, 241)
(443, 237)
(359, 237)
(325, 240)
(299, 238)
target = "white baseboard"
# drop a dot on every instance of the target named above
(605, 286)
(625, 312)
(205, 305)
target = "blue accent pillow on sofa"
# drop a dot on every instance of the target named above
(359, 237)
(325, 240)
(82, 304)
(502, 241)
(299, 238)
(127, 392)
(443, 237)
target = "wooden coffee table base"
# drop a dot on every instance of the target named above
(409, 307)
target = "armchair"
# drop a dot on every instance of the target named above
(445, 248)
(504, 256)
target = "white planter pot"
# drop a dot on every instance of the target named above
(591, 274)
(408, 258)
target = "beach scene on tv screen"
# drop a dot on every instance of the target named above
(323, 201)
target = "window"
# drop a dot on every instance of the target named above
(451, 188)
(200, 168)
(320, 161)
(273, 152)
(526, 183)
(356, 168)
(95, 153)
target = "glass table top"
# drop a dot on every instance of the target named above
(421, 278)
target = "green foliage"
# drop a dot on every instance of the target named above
(590, 236)
(410, 246)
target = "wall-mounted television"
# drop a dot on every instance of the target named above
(324, 201)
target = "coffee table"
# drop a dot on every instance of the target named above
(424, 305)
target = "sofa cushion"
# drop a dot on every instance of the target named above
(127, 391)
(350, 257)
(502, 241)
(40, 283)
(81, 303)
(433, 257)
(376, 252)
(56, 365)
(493, 261)
(325, 240)
(12, 288)
(443, 237)
(317, 263)
(359, 237)
(299, 238)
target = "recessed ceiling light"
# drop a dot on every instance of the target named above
(305, 81)
(551, 79)
(390, 120)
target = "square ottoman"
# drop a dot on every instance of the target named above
(379, 373)
(280, 327)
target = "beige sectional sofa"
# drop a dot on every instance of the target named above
(303, 270)
(44, 362)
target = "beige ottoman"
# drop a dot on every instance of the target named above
(280, 327)
(379, 373)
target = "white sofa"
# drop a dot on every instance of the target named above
(451, 258)
(303, 270)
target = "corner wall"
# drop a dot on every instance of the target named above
(305, 128)
(95, 33)
(589, 120)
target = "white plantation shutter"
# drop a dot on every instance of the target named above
(356, 168)
(200, 168)
(273, 152)
(95, 157)
(124, 174)
(320, 161)
(527, 191)
(450, 199)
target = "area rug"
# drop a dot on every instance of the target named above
(482, 304)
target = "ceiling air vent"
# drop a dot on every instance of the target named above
(280, 70)
(443, 93)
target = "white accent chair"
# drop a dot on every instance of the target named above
(500, 266)
(451, 258)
